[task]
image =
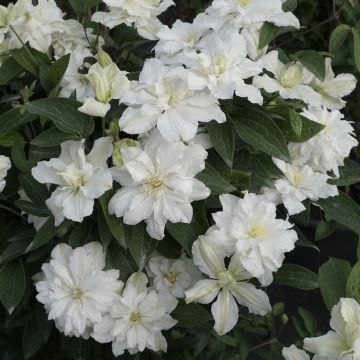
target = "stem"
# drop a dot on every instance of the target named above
(11, 211)
(23, 44)
(269, 342)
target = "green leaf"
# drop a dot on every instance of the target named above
(10, 139)
(356, 34)
(23, 59)
(190, 315)
(43, 324)
(239, 179)
(12, 284)
(353, 283)
(32, 338)
(81, 233)
(349, 174)
(81, 6)
(333, 276)
(338, 36)
(19, 158)
(64, 114)
(313, 61)
(353, 3)
(344, 210)
(103, 230)
(115, 224)
(308, 320)
(9, 70)
(296, 122)
(222, 138)
(323, 230)
(289, 5)
(52, 137)
(36, 192)
(32, 209)
(140, 244)
(57, 70)
(14, 119)
(257, 129)
(269, 32)
(17, 245)
(296, 276)
(46, 233)
(309, 129)
(214, 181)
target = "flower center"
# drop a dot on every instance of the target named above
(171, 277)
(292, 76)
(220, 64)
(135, 317)
(153, 185)
(73, 177)
(225, 279)
(297, 178)
(256, 232)
(76, 294)
(243, 3)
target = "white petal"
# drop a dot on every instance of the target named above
(93, 107)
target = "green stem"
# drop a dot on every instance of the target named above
(23, 44)
(269, 342)
(11, 211)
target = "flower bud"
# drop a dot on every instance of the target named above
(117, 156)
(104, 58)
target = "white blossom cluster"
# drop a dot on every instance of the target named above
(342, 342)
(196, 65)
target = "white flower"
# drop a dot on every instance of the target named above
(75, 290)
(250, 13)
(327, 150)
(173, 275)
(227, 284)
(300, 183)
(334, 88)
(158, 184)
(163, 98)
(5, 165)
(261, 239)
(108, 83)
(290, 80)
(293, 353)
(252, 38)
(182, 38)
(37, 221)
(140, 14)
(73, 80)
(80, 178)
(221, 66)
(135, 321)
(343, 341)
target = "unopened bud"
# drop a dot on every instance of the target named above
(117, 156)
(284, 319)
(104, 58)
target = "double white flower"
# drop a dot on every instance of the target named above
(140, 14)
(225, 283)
(299, 183)
(221, 65)
(75, 290)
(5, 165)
(108, 83)
(343, 341)
(80, 178)
(163, 98)
(158, 184)
(249, 227)
(136, 319)
(327, 150)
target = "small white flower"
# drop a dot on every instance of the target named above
(221, 66)
(135, 321)
(75, 290)
(327, 150)
(334, 88)
(225, 283)
(73, 80)
(343, 341)
(173, 275)
(293, 353)
(300, 183)
(260, 239)
(108, 83)
(250, 13)
(181, 39)
(158, 184)
(163, 98)
(140, 14)
(5, 165)
(80, 178)
(291, 81)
